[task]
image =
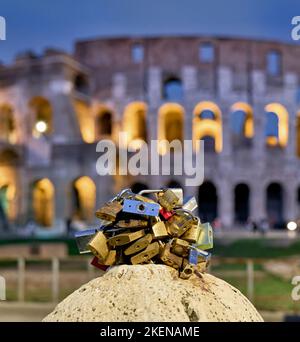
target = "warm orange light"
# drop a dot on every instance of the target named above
(208, 127)
(283, 123)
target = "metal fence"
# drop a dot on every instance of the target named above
(55, 271)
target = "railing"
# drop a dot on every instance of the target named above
(53, 272)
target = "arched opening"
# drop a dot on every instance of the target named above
(84, 199)
(298, 203)
(4, 205)
(42, 116)
(241, 203)
(137, 187)
(274, 205)
(9, 185)
(298, 135)
(85, 120)
(104, 123)
(276, 130)
(81, 84)
(134, 123)
(173, 89)
(242, 124)
(207, 122)
(7, 124)
(207, 202)
(170, 125)
(43, 202)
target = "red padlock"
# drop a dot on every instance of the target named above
(95, 262)
(166, 214)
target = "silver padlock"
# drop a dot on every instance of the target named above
(190, 204)
(82, 238)
(141, 208)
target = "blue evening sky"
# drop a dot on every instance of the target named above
(36, 24)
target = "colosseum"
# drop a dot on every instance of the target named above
(240, 96)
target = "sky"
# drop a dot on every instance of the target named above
(38, 24)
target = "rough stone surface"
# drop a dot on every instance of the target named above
(154, 293)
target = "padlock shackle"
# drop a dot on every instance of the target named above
(149, 191)
(187, 212)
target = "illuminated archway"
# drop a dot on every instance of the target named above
(277, 125)
(84, 198)
(42, 115)
(43, 202)
(85, 120)
(208, 126)
(7, 124)
(104, 122)
(170, 125)
(242, 117)
(134, 123)
(9, 183)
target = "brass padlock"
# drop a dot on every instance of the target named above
(168, 199)
(145, 256)
(98, 246)
(127, 224)
(205, 239)
(192, 234)
(179, 223)
(180, 247)
(139, 245)
(125, 238)
(111, 258)
(187, 270)
(159, 229)
(109, 211)
(169, 258)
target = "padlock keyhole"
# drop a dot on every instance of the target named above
(141, 207)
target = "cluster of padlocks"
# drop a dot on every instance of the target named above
(153, 226)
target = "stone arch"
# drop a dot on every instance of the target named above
(244, 113)
(207, 202)
(241, 203)
(83, 198)
(104, 122)
(277, 125)
(170, 125)
(42, 116)
(298, 135)
(8, 131)
(275, 204)
(43, 202)
(172, 89)
(134, 123)
(81, 83)
(85, 120)
(208, 127)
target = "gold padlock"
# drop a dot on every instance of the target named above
(168, 199)
(139, 245)
(179, 223)
(98, 246)
(109, 211)
(111, 258)
(205, 239)
(127, 224)
(169, 258)
(187, 270)
(125, 238)
(159, 229)
(145, 256)
(180, 247)
(192, 234)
